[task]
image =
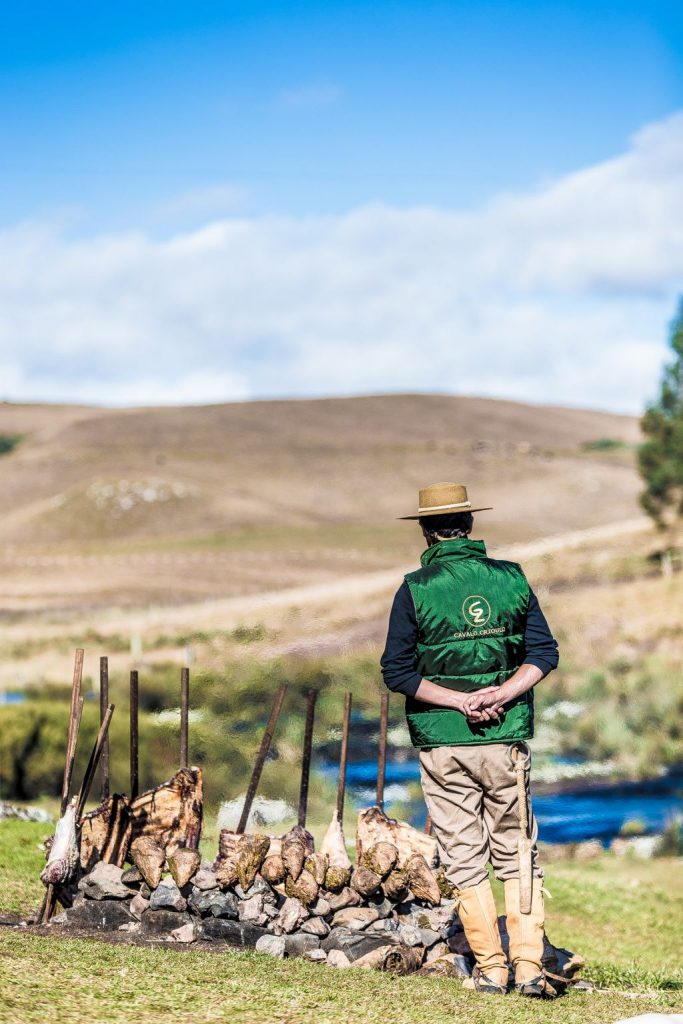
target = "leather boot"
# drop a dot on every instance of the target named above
(525, 932)
(477, 912)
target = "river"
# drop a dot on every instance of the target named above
(585, 811)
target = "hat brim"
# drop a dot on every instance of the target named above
(426, 515)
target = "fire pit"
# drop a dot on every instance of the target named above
(132, 867)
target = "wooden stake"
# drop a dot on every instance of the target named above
(341, 785)
(93, 762)
(184, 709)
(133, 734)
(428, 824)
(47, 908)
(382, 750)
(261, 757)
(75, 711)
(306, 756)
(104, 703)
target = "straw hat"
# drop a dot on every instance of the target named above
(442, 499)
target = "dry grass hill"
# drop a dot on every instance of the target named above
(169, 505)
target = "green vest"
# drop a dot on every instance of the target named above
(471, 614)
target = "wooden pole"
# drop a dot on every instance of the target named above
(75, 711)
(306, 756)
(104, 703)
(93, 762)
(341, 785)
(133, 734)
(261, 757)
(382, 750)
(428, 824)
(47, 908)
(184, 709)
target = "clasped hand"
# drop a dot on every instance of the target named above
(483, 705)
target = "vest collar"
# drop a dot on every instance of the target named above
(461, 547)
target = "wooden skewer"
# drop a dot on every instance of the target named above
(93, 762)
(306, 756)
(261, 757)
(341, 785)
(75, 711)
(104, 703)
(382, 750)
(47, 908)
(133, 734)
(184, 710)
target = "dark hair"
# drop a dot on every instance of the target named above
(457, 524)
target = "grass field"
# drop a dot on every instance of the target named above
(625, 917)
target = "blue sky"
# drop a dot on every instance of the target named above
(127, 128)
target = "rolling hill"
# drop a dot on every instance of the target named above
(128, 507)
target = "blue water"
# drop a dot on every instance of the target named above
(12, 697)
(568, 817)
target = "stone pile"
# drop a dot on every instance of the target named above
(392, 911)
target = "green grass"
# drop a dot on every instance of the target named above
(625, 917)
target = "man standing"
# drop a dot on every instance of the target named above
(467, 642)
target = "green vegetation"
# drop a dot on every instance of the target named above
(628, 713)
(8, 442)
(661, 456)
(625, 917)
(230, 711)
(604, 444)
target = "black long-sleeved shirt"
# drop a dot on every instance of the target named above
(398, 660)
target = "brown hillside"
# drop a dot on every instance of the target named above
(270, 494)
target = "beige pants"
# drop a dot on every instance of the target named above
(471, 796)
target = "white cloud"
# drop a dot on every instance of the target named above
(560, 295)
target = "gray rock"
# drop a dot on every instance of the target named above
(129, 926)
(235, 933)
(214, 902)
(132, 877)
(410, 935)
(316, 926)
(382, 905)
(428, 937)
(346, 898)
(336, 958)
(103, 915)
(463, 965)
(186, 933)
(167, 896)
(270, 911)
(317, 955)
(438, 950)
(251, 909)
(274, 945)
(356, 918)
(320, 907)
(385, 924)
(292, 914)
(355, 944)
(259, 887)
(160, 923)
(138, 905)
(438, 919)
(205, 879)
(104, 883)
(300, 943)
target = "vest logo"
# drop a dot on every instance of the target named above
(476, 610)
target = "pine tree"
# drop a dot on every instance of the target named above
(661, 455)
